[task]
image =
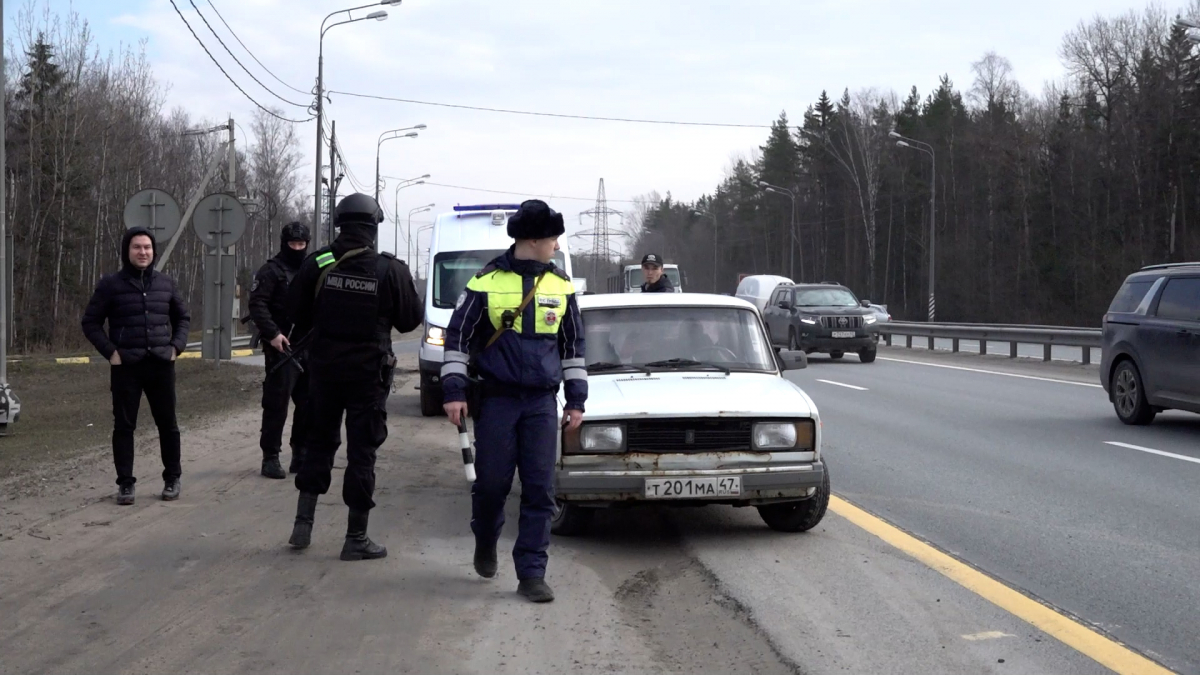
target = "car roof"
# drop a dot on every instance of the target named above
(1167, 269)
(618, 300)
(823, 284)
(473, 231)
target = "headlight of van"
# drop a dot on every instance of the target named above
(435, 335)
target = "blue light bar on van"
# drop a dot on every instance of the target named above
(489, 207)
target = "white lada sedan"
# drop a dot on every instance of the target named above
(688, 405)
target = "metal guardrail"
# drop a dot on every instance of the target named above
(1046, 336)
(237, 342)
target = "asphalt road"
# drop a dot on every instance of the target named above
(207, 584)
(1019, 477)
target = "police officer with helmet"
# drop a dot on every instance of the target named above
(517, 325)
(268, 311)
(351, 297)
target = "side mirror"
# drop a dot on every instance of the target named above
(793, 360)
(785, 304)
(866, 303)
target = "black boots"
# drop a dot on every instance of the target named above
(297, 460)
(306, 510)
(271, 467)
(358, 546)
(485, 559)
(125, 494)
(171, 490)
(536, 590)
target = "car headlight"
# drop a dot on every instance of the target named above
(436, 336)
(870, 319)
(808, 320)
(783, 435)
(591, 439)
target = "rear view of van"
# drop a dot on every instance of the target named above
(757, 288)
(463, 242)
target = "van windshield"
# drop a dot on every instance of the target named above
(452, 270)
(636, 278)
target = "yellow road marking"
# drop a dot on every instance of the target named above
(73, 359)
(238, 353)
(1105, 651)
(189, 355)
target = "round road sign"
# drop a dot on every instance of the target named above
(219, 220)
(155, 210)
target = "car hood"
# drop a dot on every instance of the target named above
(695, 394)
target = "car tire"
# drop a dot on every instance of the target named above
(570, 520)
(836, 355)
(867, 355)
(1129, 396)
(431, 399)
(792, 345)
(798, 516)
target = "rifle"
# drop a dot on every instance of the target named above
(290, 353)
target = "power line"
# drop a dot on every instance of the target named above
(243, 44)
(270, 112)
(595, 118)
(237, 61)
(520, 193)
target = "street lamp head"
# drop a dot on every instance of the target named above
(763, 184)
(903, 144)
(425, 176)
(389, 2)
(411, 134)
(1186, 23)
(378, 15)
(893, 134)
(420, 126)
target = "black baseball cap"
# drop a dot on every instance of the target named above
(652, 259)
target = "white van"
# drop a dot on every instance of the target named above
(632, 278)
(757, 288)
(463, 242)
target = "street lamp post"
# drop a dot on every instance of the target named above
(409, 182)
(410, 239)
(379, 15)
(926, 148)
(380, 142)
(416, 239)
(711, 216)
(790, 195)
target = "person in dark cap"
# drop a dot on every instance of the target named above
(656, 281)
(148, 325)
(517, 325)
(350, 298)
(268, 310)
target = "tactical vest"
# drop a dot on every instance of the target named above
(347, 307)
(505, 291)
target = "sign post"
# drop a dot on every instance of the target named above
(220, 222)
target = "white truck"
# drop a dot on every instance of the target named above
(463, 242)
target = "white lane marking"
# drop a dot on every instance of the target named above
(841, 384)
(987, 635)
(1152, 451)
(993, 372)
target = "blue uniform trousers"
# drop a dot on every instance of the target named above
(516, 432)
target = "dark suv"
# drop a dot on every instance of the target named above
(1151, 357)
(825, 317)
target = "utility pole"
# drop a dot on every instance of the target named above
(333, 181)
(10, 406)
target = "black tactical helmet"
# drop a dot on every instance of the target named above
(358, 208)
(295, 231)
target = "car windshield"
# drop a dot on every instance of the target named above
(453, 269)
(726, 336)
(825, 297)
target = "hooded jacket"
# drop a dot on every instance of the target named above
(269, 293)
(146, 315)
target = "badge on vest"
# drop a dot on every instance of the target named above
(462, 297)
(342, 282)
(551, 317)
(549, 301)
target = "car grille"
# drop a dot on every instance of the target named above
(841, 322)
(688, 435)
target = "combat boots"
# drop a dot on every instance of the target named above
(271, 467)
(306, 511)
(358, 546)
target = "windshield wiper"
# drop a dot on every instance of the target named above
(605, 366)
(686, 363)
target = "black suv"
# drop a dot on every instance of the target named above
(825, 317)
(1151, 357)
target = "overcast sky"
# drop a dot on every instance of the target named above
(732, 62)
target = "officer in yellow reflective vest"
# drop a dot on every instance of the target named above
(517, 325)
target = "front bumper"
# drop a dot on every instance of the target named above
(605, 485)
(822, 341)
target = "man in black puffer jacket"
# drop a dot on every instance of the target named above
(147, 328)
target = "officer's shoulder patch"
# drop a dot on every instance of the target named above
(561, 273)
(254, 285)
(488, 269)
(462, 297)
